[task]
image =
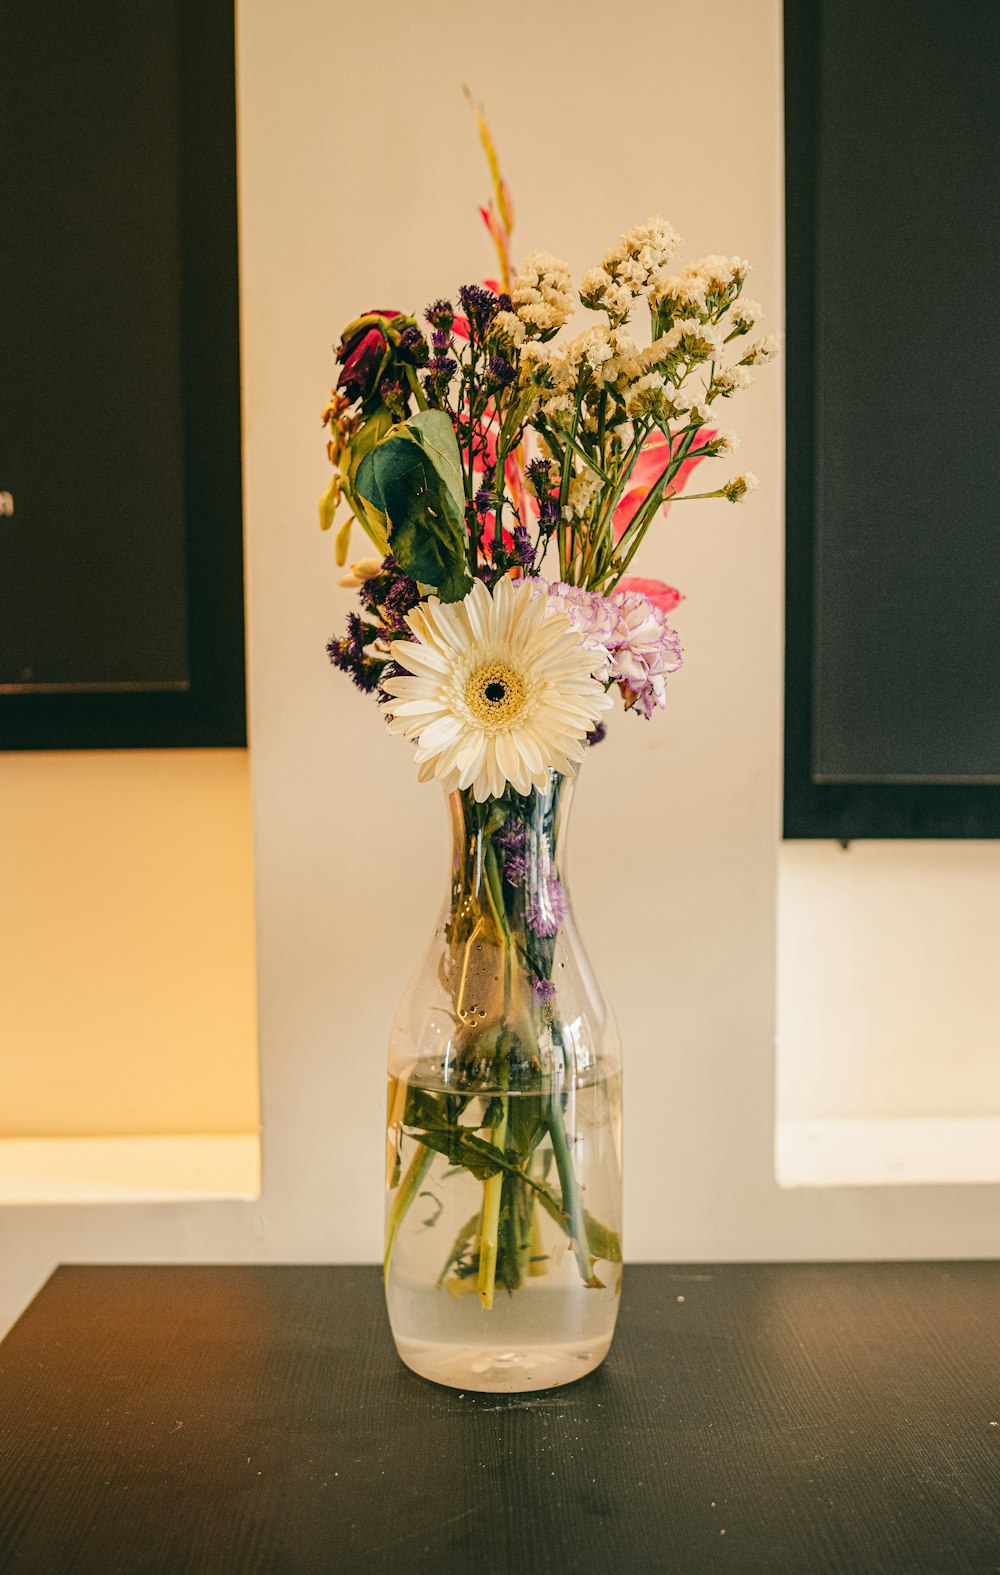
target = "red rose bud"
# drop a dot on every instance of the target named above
(362, 366)
(363, 353)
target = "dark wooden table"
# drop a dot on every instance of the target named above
(786, 1420)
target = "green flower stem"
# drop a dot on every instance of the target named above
(417, 1169)
(626, 549)
(571, 1200)
(489, 1228)
(537, 1260)
(415, 388)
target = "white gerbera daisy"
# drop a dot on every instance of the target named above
(502, 690)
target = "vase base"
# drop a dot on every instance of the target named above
(493, 1370)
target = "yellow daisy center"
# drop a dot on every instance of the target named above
(496, 694)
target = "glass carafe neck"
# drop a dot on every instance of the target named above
(506, 914)
(508, 860)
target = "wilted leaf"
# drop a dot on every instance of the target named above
(328, 503)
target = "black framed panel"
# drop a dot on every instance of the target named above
(121, 550)
(892, 681)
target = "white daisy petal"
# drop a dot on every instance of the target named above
(499, 688)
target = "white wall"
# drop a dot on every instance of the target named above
(360, 177)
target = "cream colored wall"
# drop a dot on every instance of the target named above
(360, 177)
(126, 944)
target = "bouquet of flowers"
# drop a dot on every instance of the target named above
(506, 464)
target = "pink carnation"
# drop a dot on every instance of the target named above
(647, 650)
(593, 616)
(632, 630)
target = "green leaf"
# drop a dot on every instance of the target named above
(436, 435)
(464, 1148)
(604, 1243)
(399, 478)
(459, 1246)
(424, 1110)
(371, 432)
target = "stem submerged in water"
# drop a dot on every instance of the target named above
(417, 1169)
(572, 1204)
(489, 1229)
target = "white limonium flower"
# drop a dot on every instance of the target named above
(645, 397)
(542, 293)
(683, 295)
(727, 380)
(764, 349)
(676, 402)
(498, 689)
(580, 494)
(506, 329)
(600, 291)
(535, 357)
(724, 443)
(533, 370)
(745, 314)
(688, 340)
(737, 489)
(719, 274)
(639, 260)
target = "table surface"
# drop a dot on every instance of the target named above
(780, 1419)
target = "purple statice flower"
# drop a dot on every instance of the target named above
(500, 371)
(413, 346)
(351, 657)
(504, 302)
(515, 866)
(540, 480)
(548, 513)
(440, 314)
(442, 368)
(512, 834)
(522, 552)
(483, 500)
(441, 339)
(597, 735)
(480, 306)
(389, 596)
(512, 840)
(646, 650)
(440, 371)
(543, 990)
(547, 907)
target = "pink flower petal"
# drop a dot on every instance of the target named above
(655, 591)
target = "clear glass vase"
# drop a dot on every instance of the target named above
(503, 1201)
